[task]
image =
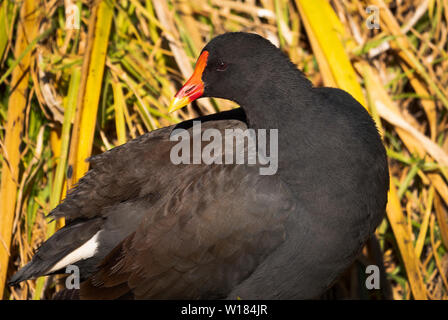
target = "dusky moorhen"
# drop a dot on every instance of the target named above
(139, 226)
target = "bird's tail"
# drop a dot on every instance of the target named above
(63, 248)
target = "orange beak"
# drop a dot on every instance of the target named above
(193, 88)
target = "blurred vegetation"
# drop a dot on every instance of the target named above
(66, 93)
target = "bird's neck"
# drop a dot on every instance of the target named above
(278, 102)
(285, 103)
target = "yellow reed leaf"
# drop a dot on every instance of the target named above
(26, 32)
(404, 241)
(94, 78)
(325, 31)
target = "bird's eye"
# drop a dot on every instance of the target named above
(221, 66)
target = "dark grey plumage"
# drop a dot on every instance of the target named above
(225, 231)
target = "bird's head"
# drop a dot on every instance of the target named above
(229, 66)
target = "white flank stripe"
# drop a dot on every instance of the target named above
(87, 250)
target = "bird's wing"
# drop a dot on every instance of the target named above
(124, 186)
(140, 167)
(208, 237)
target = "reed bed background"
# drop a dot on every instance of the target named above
(67, 93)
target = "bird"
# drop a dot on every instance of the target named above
(139, 226)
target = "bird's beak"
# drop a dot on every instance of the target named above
(193, 88)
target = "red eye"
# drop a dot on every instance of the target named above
(221, 66)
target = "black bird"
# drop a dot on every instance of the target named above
(139, 226)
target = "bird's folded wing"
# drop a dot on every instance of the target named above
(136, 168)
(207, 238)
